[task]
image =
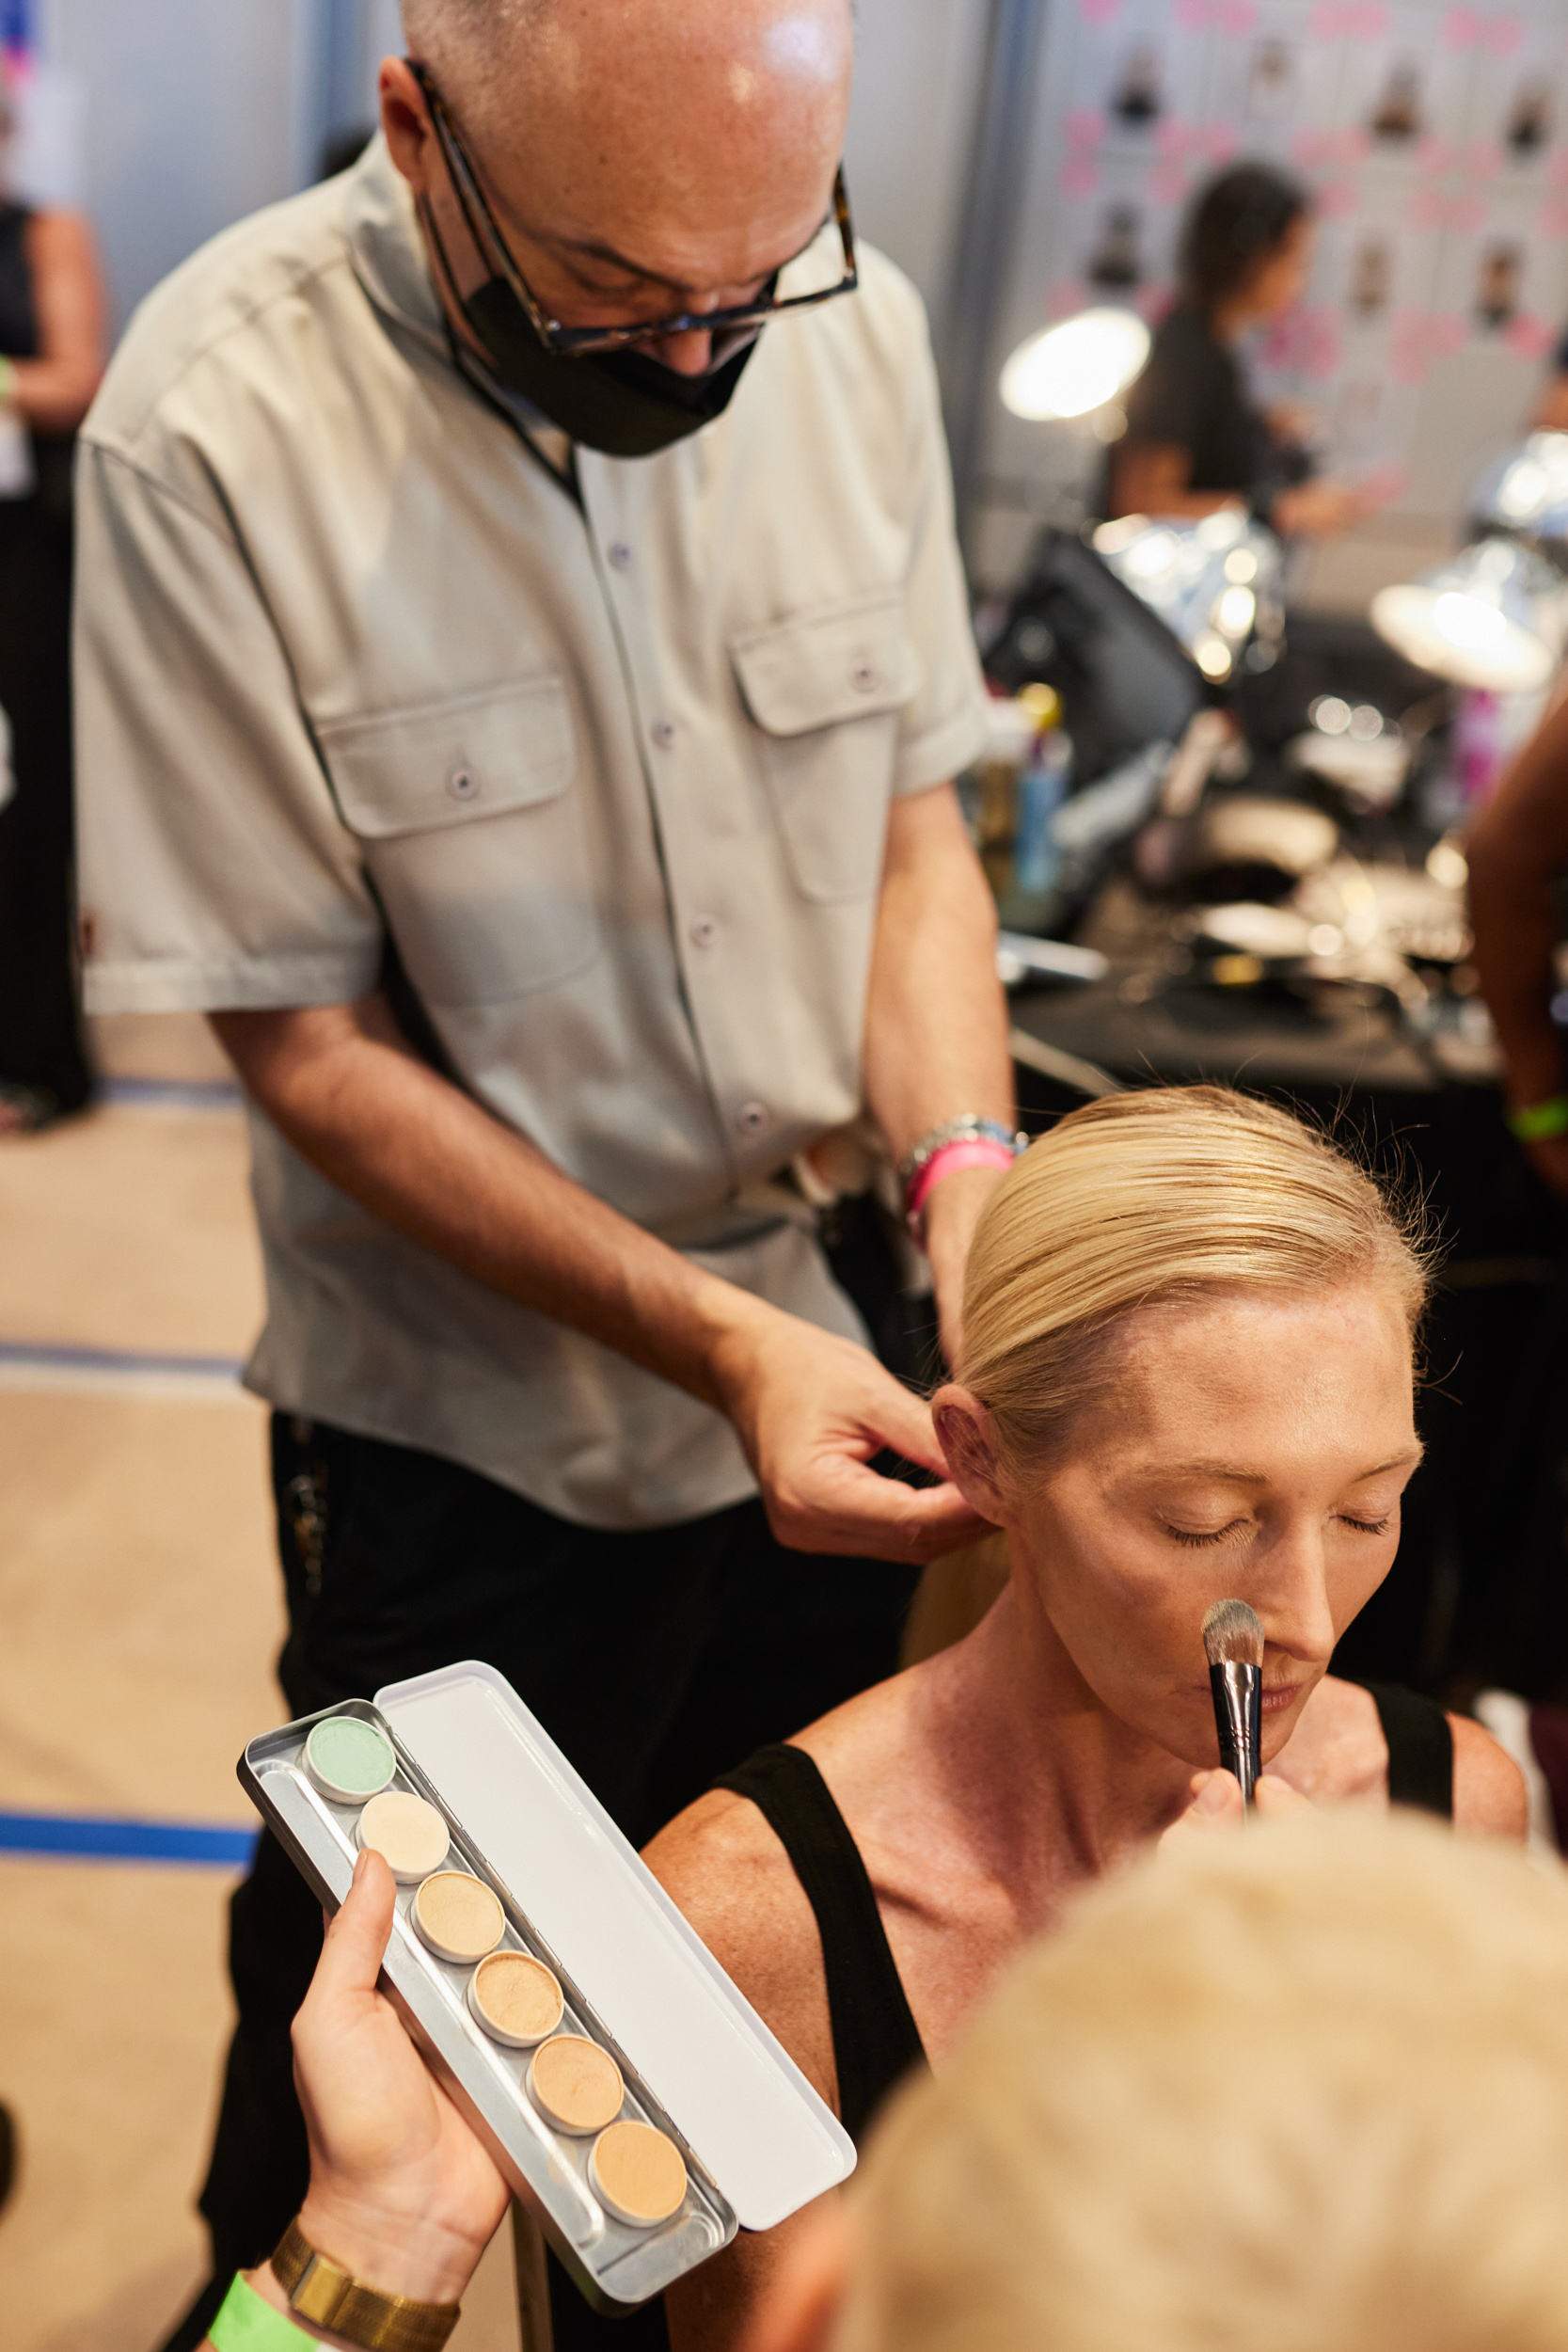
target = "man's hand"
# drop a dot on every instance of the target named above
(1217, 1807)
(402, 2194)
(812, 1409)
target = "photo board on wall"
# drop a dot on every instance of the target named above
(1433, 137)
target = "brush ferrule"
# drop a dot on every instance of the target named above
(1238, 1691)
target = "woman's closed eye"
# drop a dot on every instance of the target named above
(1204, 1534)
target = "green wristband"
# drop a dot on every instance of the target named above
(1538, 1122)
(248, 2323)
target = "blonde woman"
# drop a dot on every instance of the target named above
(1187, 1373)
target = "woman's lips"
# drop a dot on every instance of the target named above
(1275, 1702)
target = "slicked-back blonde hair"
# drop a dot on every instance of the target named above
(1306, 2088)
(1149, 1196)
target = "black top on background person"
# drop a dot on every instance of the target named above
(1196, 437)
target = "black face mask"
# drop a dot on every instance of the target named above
(621, 402)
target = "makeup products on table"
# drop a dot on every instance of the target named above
(1233, 1644)
(632, 2096)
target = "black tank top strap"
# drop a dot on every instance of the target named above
(1421, 1748)
(19, 330)
(875, 2040)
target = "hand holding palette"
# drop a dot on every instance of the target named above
(630, 2095)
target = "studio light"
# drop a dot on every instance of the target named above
(1211, 581)
(1526, 494)
(1070, 369)
(1488, 620)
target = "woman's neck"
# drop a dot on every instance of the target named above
(1051, 1786)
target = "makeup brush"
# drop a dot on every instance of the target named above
(1233, 1642)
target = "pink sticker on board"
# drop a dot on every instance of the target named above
(1530, 336)
(1481, 160)
(1336, 200)
(1098, 11)
(1552, 218)
(1080, 176)
(1347, 19)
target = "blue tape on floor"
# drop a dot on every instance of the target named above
(174, 1094)
(85, 1838)
(124, 1363)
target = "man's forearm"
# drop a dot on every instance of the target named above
(340, 1084)
(936, 1028)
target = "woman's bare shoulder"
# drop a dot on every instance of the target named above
(726, 1870)
(1489, 1794)
(1337, 1754)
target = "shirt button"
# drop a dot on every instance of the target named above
(705, 930)
(864, 676)
(663, 733)
(463, 785)
(619, 553)
(753, 1117)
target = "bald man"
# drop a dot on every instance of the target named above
(522, 656)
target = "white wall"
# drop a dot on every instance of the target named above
(192, 115)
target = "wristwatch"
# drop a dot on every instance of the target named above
(330, 2298)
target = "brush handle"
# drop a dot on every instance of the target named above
(1238, 1719)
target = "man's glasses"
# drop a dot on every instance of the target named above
(576, 341)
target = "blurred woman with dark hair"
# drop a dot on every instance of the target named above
(1194, 438)
(52, 355)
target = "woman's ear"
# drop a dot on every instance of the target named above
(801, 2297)
(965, 1435)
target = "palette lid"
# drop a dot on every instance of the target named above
(726, 2082)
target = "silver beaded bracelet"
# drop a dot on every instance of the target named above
(969, 1127)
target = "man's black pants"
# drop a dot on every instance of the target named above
(654, 1659)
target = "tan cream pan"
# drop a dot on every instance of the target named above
(640, 2174)
(575, 2085)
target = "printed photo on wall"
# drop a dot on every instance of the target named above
(1529, 117)
(1115, 264)
(1272, 80)
(1398, 114)
(1497, 283)
(1137, 96)
(1372, 275)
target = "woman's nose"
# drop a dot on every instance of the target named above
(1295, 1604)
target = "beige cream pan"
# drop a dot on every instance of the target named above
(457, 1917)
(639, 2175)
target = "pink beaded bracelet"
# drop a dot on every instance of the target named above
(970, 1152)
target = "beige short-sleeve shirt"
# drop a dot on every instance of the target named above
(615, 777)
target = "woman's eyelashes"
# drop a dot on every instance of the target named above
(1196, 1537)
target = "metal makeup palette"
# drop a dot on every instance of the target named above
(632, 2096)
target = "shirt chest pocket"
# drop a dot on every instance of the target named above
(824, 690)
(473, 839)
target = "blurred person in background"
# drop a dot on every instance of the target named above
(1518, 855)
(52, 355)
(1204, 2115)
(1196, 438)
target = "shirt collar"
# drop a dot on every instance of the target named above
(386, 248)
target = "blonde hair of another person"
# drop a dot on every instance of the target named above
(1306, 2088)
(1151, 1197)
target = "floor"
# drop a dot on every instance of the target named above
(139, 1610)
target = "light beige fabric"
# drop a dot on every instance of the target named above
(616, 780)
